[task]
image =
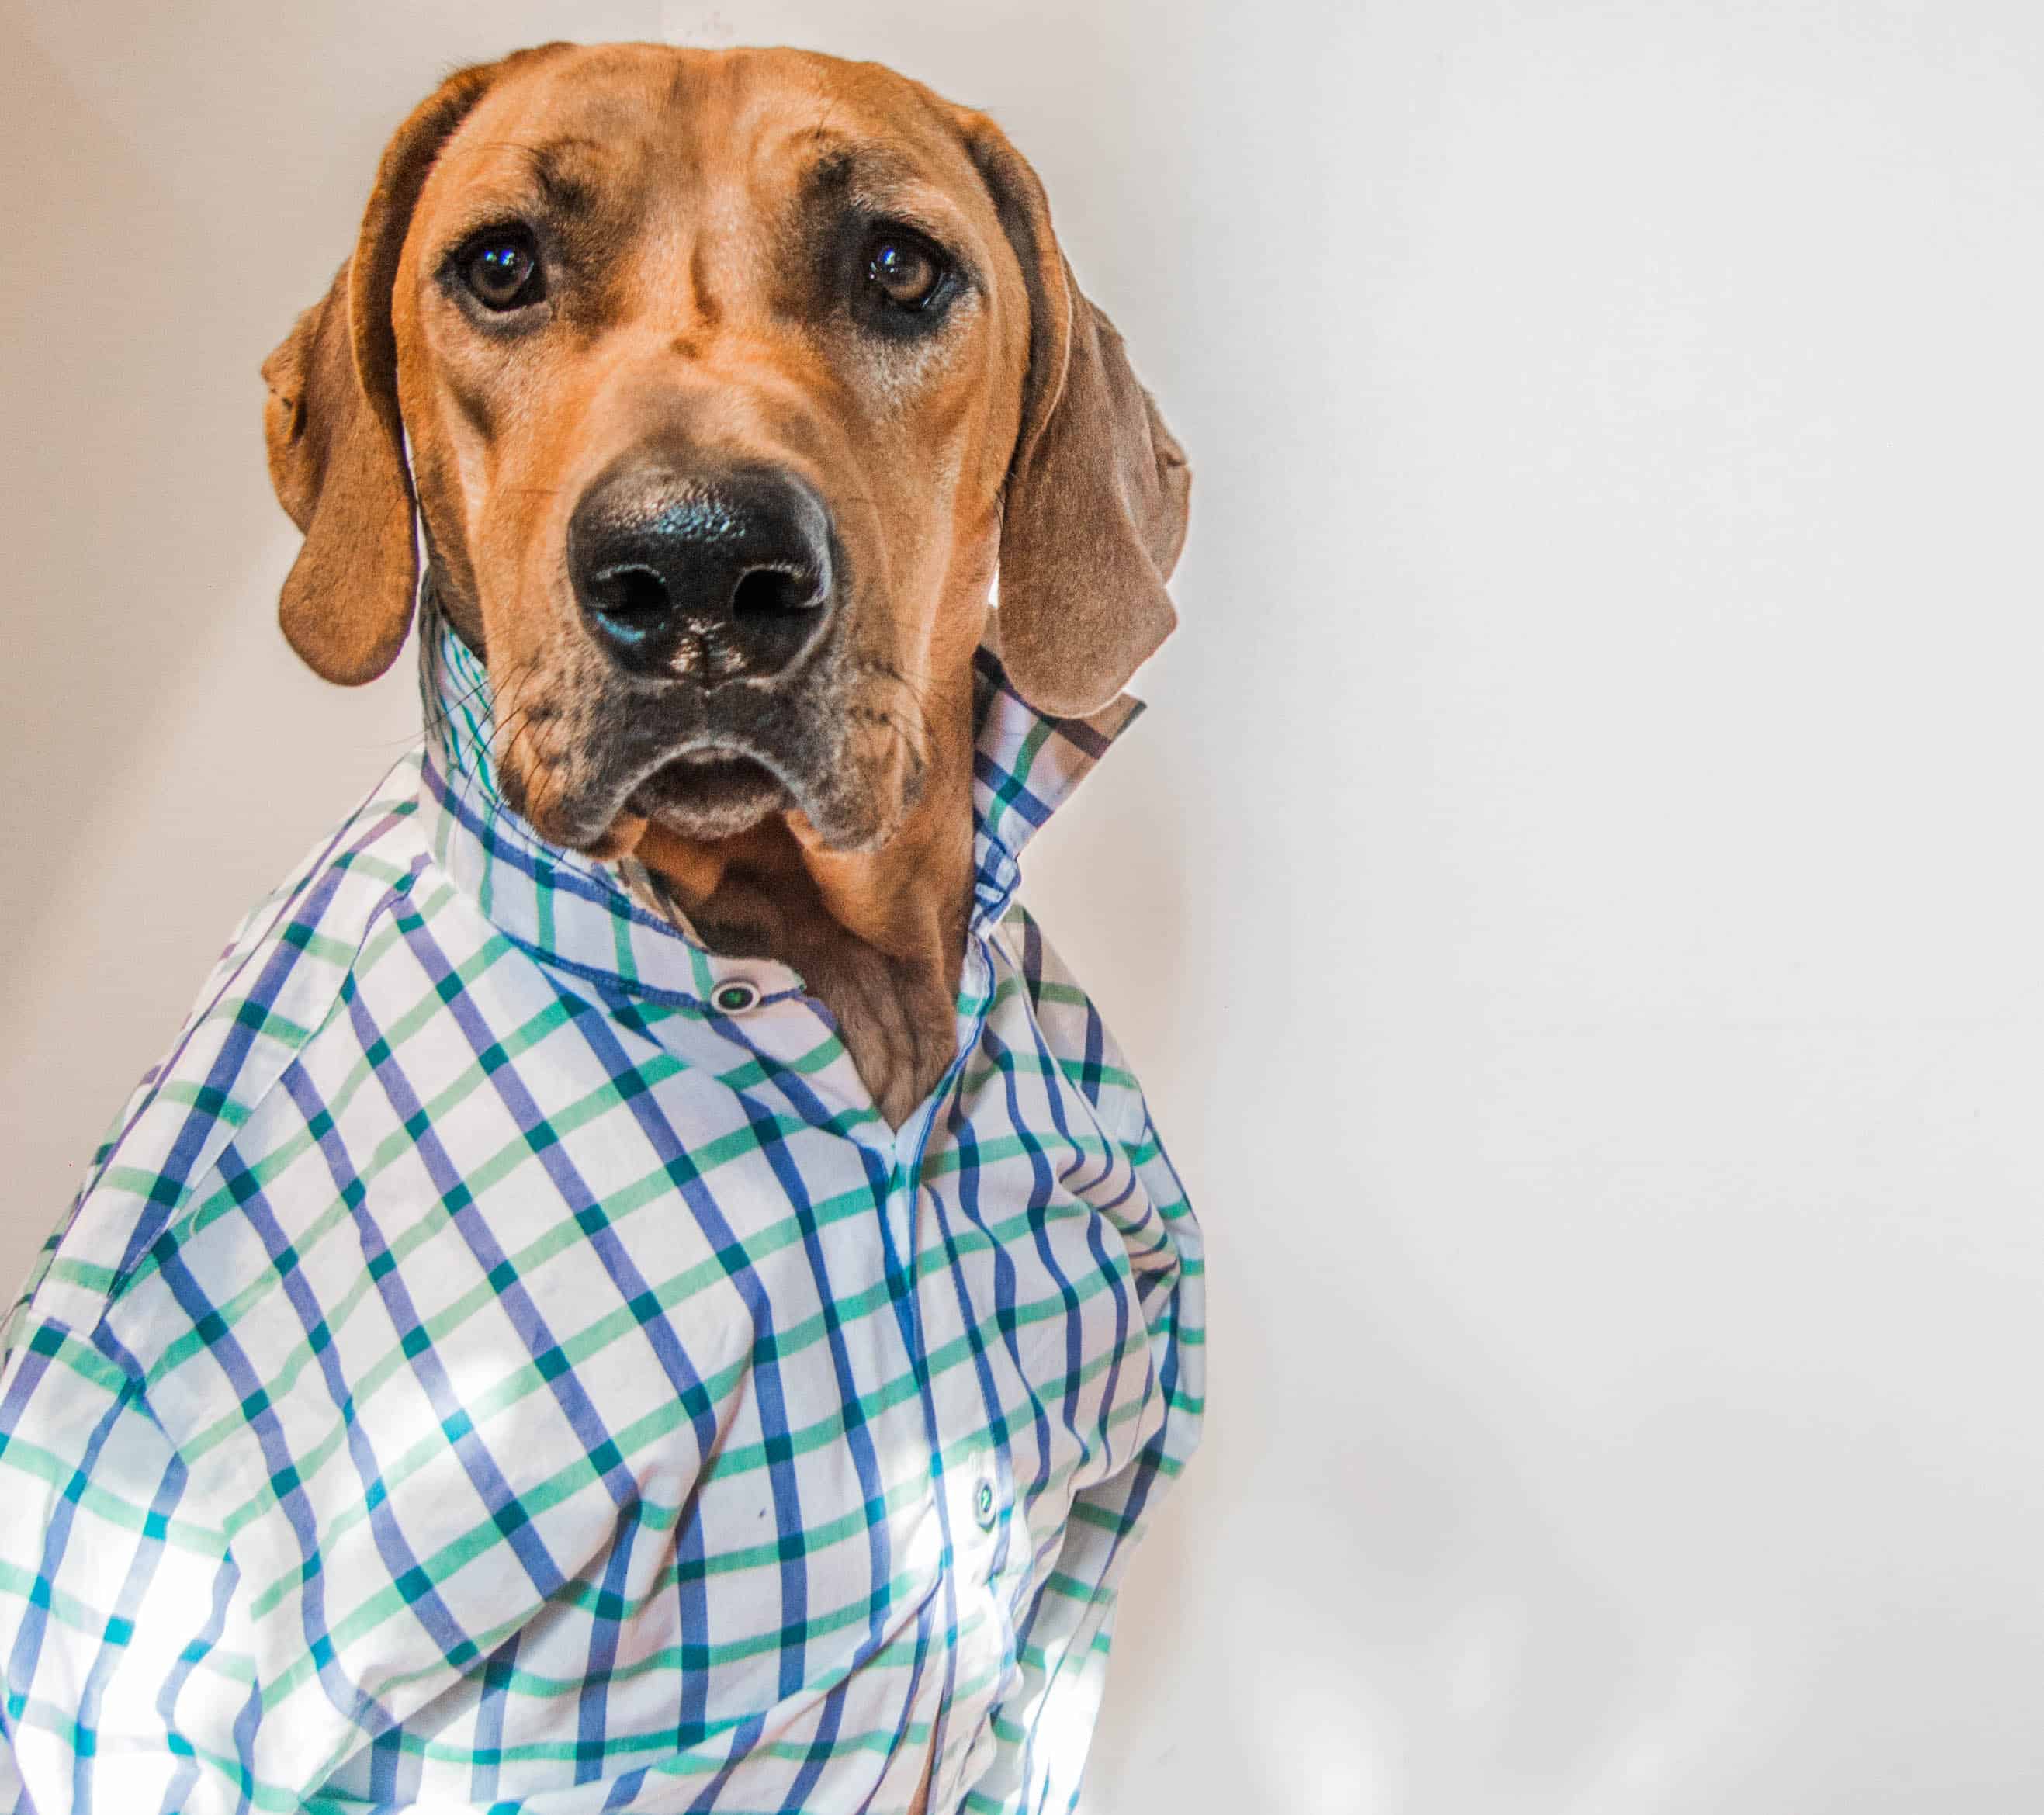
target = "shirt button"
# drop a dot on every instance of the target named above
(982, 1504)
(736, 995)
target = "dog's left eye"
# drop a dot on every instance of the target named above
(502, 271)
(904, 269)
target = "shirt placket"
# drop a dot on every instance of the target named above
(972, 1479)
(969, 1479)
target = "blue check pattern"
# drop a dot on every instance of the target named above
(501, 1358)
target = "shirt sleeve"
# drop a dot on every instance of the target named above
(1042, 1728)
(120, 1694)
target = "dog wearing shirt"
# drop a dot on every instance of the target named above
(643, 1284)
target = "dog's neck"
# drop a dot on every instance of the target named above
(877, 936)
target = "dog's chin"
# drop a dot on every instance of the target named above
(710, 794)
(718, 791)
(714, 794)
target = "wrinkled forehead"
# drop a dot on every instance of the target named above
(608, 142)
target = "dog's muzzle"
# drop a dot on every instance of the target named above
(705, 577)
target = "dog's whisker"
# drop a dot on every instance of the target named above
(473, 779)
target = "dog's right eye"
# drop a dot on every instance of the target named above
(502, 271)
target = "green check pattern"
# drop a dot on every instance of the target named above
(502, 1360)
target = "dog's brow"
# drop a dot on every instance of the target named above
(844, 172)
(565, 191)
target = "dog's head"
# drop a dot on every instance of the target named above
(728, 378)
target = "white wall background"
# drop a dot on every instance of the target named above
(1575, 901)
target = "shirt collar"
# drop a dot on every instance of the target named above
(602, 918)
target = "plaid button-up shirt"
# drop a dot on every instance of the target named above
(502, 1359)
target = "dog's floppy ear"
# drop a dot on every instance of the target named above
(1095, 510)
(335, 444)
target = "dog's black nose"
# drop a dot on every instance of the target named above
(706, 577)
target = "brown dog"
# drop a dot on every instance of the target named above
(729, 378)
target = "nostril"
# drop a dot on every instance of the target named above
(771, 592)
(633, 595)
